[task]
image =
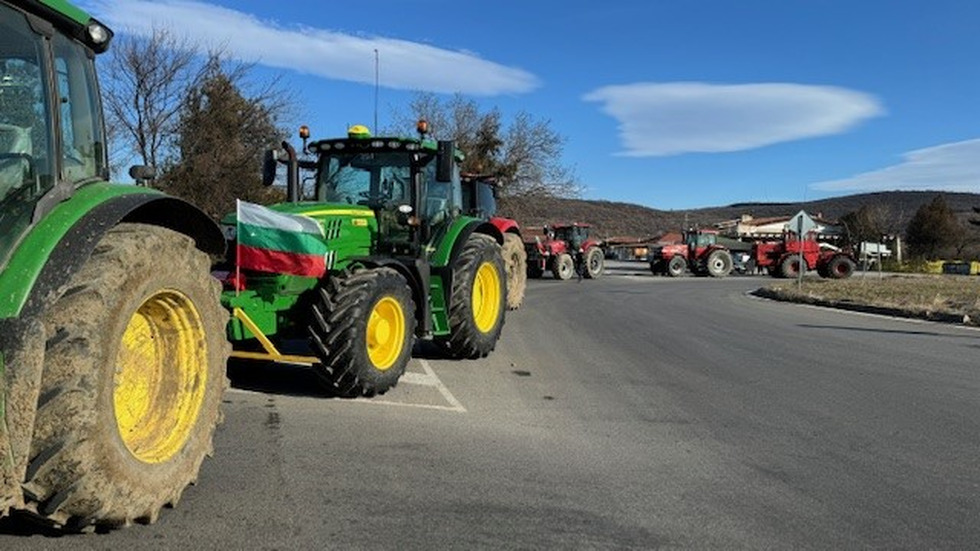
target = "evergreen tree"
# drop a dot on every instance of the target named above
(932, 230)
(221, 137)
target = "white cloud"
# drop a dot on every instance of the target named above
(404, 65)
(951, 167)
(660, 119)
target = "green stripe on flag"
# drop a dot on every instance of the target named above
(281, 240)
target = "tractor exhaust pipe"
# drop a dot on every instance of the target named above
(292, 173)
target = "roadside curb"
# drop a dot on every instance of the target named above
(941, 317)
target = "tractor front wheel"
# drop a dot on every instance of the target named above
(134, 372)
(676, 266)
(362, 329)
(477, 303)
(595, 263)
(515, 259)
(564, 267)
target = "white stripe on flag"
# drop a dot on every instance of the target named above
(257, 215)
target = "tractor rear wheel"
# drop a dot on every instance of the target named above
(362, 328)
(719, 263)
(790, 266)
(515, 259)
(477, 303)
(676, 266)
(840, 267)
(595, 263)
(134, 372)
(564, 267)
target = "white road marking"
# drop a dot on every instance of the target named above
(429, 378)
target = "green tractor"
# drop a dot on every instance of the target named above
(389, 257)
(112, 348)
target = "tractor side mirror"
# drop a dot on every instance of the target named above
(269, 165)
(445, 157)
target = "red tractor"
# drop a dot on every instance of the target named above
(700, 253)
(782, 258)
(480, 200)
(567, 249)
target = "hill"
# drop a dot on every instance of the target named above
(618, 219)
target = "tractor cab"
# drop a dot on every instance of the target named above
(411, 185)
(479, 193)
(699, 241)
(51, 132)
(576, 235)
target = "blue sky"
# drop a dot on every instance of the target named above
(671, 104)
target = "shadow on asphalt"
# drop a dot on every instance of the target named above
(887, 331)
(26, 526)
(299, 380)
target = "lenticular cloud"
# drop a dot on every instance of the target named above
(951, 167)
(660, 119)
(406, 65)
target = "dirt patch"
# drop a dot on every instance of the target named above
(950, 299)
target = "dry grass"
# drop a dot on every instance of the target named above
(932, 297)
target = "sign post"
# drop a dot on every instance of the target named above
(804, 225)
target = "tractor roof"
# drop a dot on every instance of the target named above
(359, 139)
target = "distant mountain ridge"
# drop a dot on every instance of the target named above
(626, 219)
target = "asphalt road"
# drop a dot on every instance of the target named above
(628, 412)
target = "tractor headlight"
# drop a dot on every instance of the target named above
(98, 34)
(230, 232)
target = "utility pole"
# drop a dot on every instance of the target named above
(377, 86)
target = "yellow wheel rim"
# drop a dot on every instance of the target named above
(486, 297)
(161, 377)
(385, 333)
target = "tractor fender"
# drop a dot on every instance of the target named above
(75, 246)
(505, 225)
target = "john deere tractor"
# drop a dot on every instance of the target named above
(112, 349)
(400, 261)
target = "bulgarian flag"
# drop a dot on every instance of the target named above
(270, 241)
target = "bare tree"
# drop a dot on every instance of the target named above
(149, 78)
(525, 155)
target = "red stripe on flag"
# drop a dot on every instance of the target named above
(280, 262)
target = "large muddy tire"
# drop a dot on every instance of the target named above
(719, 263)
(790, 266)
(676, 266)
(564, 267)
(515, 260)
(841, 267)
(362, 330)
(477, 302)
(595, 263)
(134, 373)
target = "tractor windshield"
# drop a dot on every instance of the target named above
(26, 160)
(376, 179)
(383, 180)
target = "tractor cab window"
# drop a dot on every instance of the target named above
(83, 145)
(380, 180)
(26, 160)
(701, 239)
(443, 200)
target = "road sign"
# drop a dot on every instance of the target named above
(802, 224)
